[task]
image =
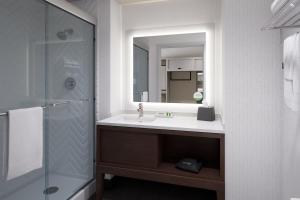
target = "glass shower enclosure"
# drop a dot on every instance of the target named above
(47, 60)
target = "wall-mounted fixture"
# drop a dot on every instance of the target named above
(285, 15)
(63, 35)
(70, 83)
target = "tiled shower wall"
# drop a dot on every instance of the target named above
(70, 126)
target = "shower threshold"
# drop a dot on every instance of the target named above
(66, 186)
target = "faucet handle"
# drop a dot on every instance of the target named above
(140, 105)
(140, 109)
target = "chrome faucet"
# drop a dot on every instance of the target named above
(141, 110)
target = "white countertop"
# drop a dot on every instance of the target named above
(182, 123)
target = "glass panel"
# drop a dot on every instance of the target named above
(22, 84)
(140, 83)
(70, 80)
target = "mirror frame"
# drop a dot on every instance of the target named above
(208, 29)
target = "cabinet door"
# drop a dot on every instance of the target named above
(199, 64)
(128, 148)
(181, 65)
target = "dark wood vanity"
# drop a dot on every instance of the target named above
(151, 154)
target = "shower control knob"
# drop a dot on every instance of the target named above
(70, 83)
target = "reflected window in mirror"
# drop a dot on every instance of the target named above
(169, 68)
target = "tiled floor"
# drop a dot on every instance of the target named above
(129, 189)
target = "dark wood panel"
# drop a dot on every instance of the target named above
(203, 183)
(99, 184)
(162, 131)
(209, 173)
(222, 157)
(124, 147)
(169, 168)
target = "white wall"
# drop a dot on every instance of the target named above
(290, 154)
(171, 14)
(116, 76)
(103, 59)
(252, 93)
(218, 74)
(89, 6)
(181, 52)
(109, 47)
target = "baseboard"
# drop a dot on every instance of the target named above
(86, 192)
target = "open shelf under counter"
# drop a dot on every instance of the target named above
(207, 173)
(164, 168)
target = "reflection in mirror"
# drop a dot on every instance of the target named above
(169, 68)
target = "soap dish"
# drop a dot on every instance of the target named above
(164, 115)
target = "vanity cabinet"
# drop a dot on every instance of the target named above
(151, 154)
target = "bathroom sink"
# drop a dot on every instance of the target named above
(135, 118)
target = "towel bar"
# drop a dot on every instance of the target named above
(48, 106)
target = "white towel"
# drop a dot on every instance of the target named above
(292, 71)
(277, 5)
(290, 56)
(25, 150)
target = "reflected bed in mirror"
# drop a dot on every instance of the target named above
(169, 68)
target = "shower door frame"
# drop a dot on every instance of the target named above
(78, 13)
(72, 9)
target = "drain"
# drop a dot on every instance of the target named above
(51, 190)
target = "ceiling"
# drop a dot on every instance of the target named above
(125, 2)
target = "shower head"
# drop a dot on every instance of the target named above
(63, 35)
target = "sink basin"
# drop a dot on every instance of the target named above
(135, 118)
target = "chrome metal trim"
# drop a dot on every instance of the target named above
(73, 10)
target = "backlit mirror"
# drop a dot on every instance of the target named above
(169, 68)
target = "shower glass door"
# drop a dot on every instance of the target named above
(22, 85)
(46, 59)
(70, 82)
